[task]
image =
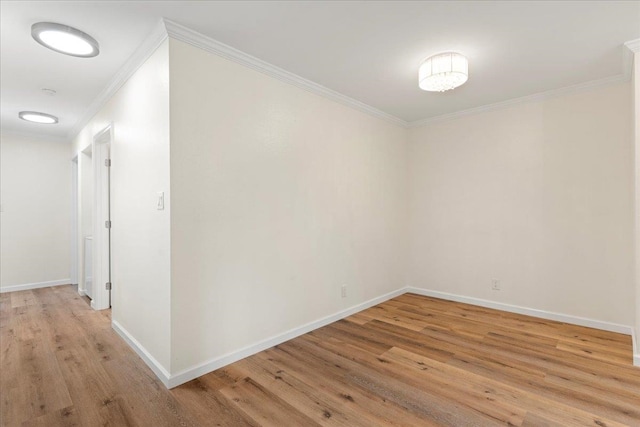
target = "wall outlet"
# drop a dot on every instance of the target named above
(495, 284)
(344, 291)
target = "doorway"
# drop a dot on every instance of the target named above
(101, 238)
(74, 222)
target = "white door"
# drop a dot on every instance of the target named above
(101, 298)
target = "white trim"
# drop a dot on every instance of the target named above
(101, 297)
(213, 364)
(179, 32)
(634, 343)
(565, 318)
(189, 36)
(567, 90)
(135, 61)
(633, 45)
(171, 381)
(26, 286)
(74, 222)
(35, 135)
(151, 362)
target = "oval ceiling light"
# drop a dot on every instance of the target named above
(35, 117)
(444, 71)
(65, 39)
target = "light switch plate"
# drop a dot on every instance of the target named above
(160, 200)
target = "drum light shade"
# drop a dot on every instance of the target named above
(443, 72)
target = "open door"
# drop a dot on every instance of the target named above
(102, 220)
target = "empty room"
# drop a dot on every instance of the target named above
(320, 213)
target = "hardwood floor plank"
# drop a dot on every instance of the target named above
(264, 406)
(357, 319)
(144, 399)
(323, 409)
(455, 392)
(372, 374)
(65, 417)
(372, 333)
(596, 353)
(497, 391)
(410, 361)
(209, 407)
(22, 299)
(91, 389)
(334, 383)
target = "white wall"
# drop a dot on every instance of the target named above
(35, 220)
(538, 195)
(279, 197)
(140, 239)
(86, 190)
(85, 217)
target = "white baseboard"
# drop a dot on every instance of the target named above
(217, 363)
(634, 345)
(27, 286)
(575, 320)
(171, 381)
(151, 362)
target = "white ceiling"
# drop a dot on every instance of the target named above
(369, 51)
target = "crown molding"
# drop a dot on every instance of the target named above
(167, 28)
(633, 45)
(186, 35)
(34, 135)
(142, 53)
(523, 100)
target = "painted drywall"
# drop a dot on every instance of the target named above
(538, 196)
(85, 218)
(86, 188)
(279, 197)
(140, 247)
(35, 225)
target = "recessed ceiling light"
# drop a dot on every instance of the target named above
(35, 117)
(65, 39)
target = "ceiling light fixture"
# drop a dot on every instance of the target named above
(35, 117)
(443, 71)
(65, 39)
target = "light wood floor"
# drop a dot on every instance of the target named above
(412, 361)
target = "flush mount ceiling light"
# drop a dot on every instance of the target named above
(65, 39)
(35, 117)
(442, 72)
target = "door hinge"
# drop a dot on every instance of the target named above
(107, 224)
(107, 162)
(107, 286)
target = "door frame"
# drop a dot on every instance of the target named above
(101, 214)
(74, 222)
